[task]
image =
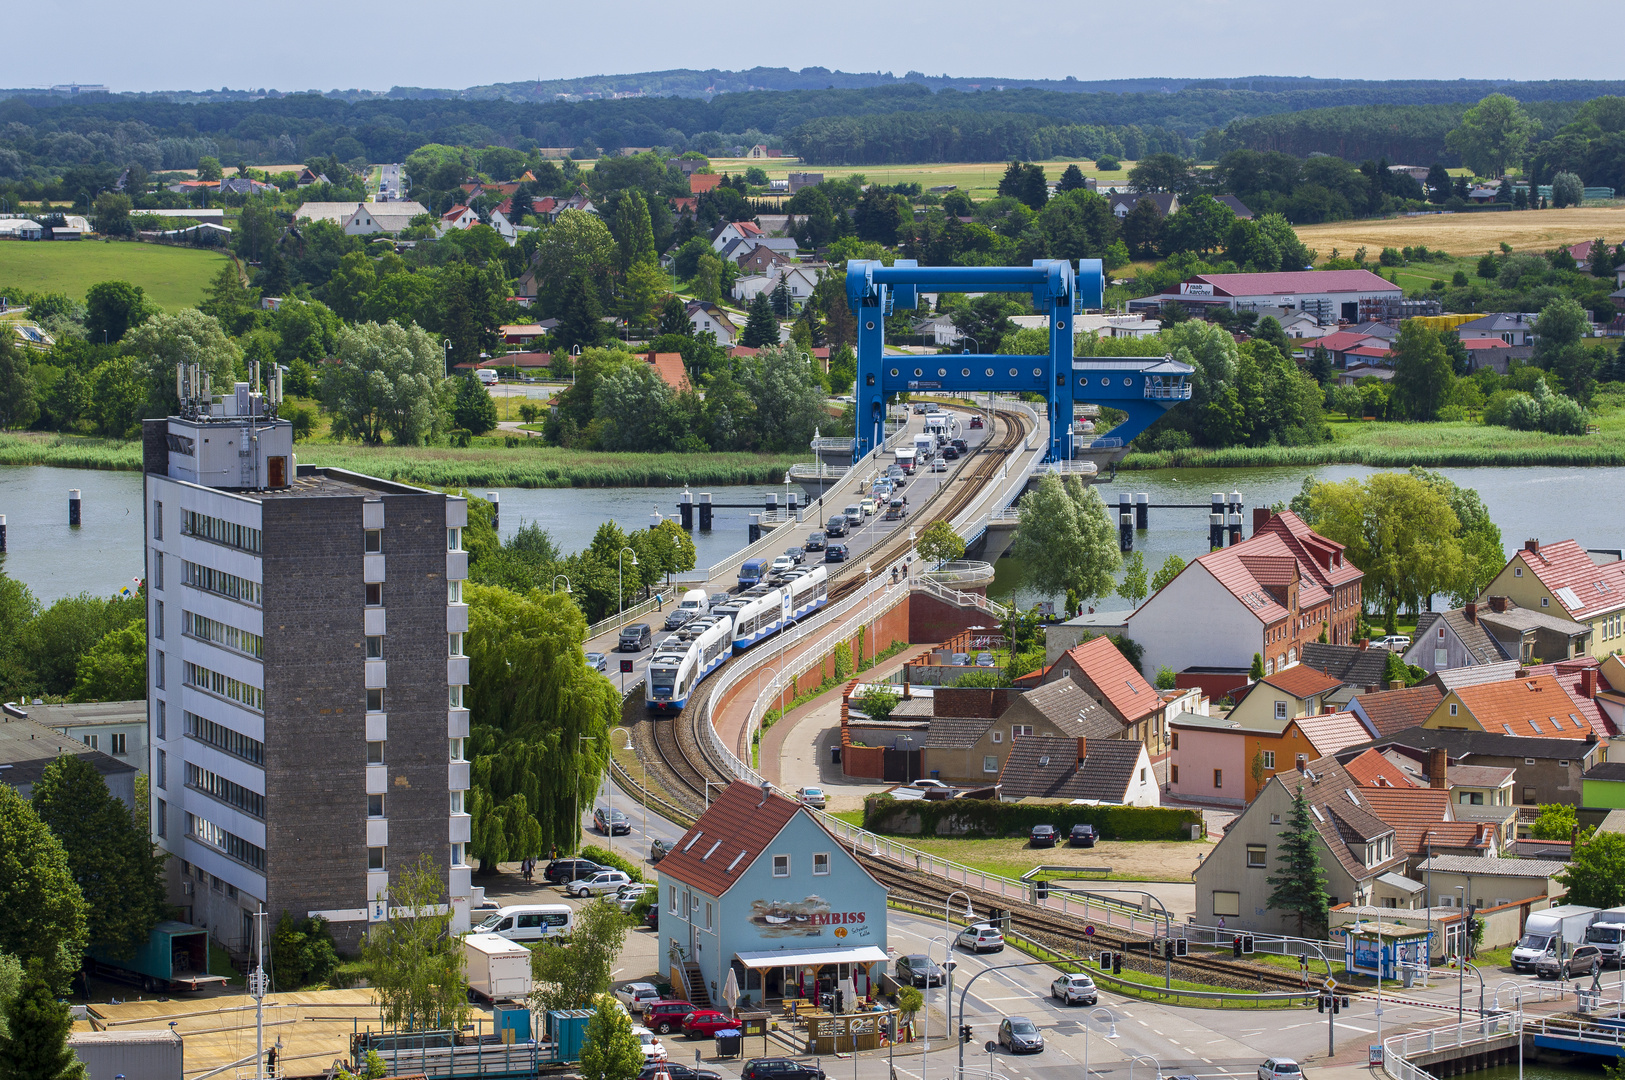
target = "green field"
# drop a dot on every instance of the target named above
(978, 179)
(174, 277)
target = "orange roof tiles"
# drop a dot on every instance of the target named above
(1371, 769)
(1535, 705)
(1565, 566)
(699, 183)
(1392, 711)
(1415, 812)
(1569, 674)
(1330, 732)
(669, 366)
(739, 823)
(1119, 682)
(1320, 562)
(1302, 681)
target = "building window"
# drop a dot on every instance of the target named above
(375, 647)
(1226, 903)
(225, 686)
(1561, 764)
(1173, 774)
(454, 697)
(454, 644)
(1020, 729)
(1452, 708)
(456, 748)
(375, 594)
(1218, 778)
(158, 619)
(1142, 776)
(375, 700)
(454, 539)
(990, 763)
(1257, 855)
(672, 906)
(158, 671)
(232, 794)
(157, 520)
(1517, 571)
(161, 819)
(454, 591)
(998, 737)
(232, 742)
(1269, 759)
(1280, 710)
(708, 914)
(375, 805)
(220, 531)
(208, 579)
(219, 633)
(457, 802)
(92, 741)
(162, 721)
(117, 739)
(157, 569)
(161, 767)
(1529, 796)
(820, 863)
(1275, 819)
(781, 866)
(375, 541)
(375, 858)
(1175, 737)
(375, 753)
(1544, 602)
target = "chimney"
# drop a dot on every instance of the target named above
(1532, 545)
(1396, 684)
(1083, 751)
(1471, 611)
(1498, 604)
(1521, 673)
(1365, 643)
(1588, 683)
(1261, 518)
(767, 789)
(1438, 762)
(1373, 689)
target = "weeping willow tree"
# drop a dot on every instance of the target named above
(541, 717)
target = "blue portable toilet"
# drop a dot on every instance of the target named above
(515, 1018)
(567, 1028)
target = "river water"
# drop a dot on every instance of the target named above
(104, 554)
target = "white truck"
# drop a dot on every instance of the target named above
(1607, 934)
(924, 447)
(498, 969)
(1551, 933)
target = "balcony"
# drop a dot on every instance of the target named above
(372, 621)
(456, 618)
(460, 883)
(372, 568)
(457, 723)
(377, 676)
(1176, 392)
(457, 670)
(377, 832)
(461, 828)
(456, 776)
(456, 565)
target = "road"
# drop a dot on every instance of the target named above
(391, 182)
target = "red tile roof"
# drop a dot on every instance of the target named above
(1343, 339)
(1298, 281)
(1302, 681)
(1393, 711)
(1565, 565)
(732, 833)
(669, 366)
(1330, 732)
(1534, 705)
(1568, 674)
(1372, 352)
(1371, 769)
(747, 228)
(1413, 813)
(698, 183)
(1123, 687)
(1484, 343)
(1321, 566)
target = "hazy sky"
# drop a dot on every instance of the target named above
(303, 44)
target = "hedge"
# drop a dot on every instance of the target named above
(603, 857)
(987, 817)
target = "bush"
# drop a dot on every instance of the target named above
(984, 817)
(1107, 163)
(302, 952)
(877, 703)
(1522, 413)
(1562, 416)
(605, 857)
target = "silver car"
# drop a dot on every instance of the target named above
(812, 796)
(1074, 990)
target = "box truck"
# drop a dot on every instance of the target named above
(1551, 933)
(498, 969)
(1606, 933)
(175, 954)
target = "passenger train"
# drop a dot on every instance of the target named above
(700, 646)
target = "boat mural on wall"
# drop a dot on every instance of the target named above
(806, 918)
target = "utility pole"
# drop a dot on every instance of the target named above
(256, 989)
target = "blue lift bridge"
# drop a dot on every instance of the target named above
(1143, 387)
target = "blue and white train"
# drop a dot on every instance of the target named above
(699, 647)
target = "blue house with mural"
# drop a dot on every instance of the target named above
(759, 889)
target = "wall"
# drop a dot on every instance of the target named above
(1604, 794)
(1423, 649)
(933, 619)
(1488, 889)
(1195, 622)
(1200, 751)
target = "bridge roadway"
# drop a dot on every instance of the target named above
(922, 490)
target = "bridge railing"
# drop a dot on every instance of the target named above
(1168, 393)
(962, 599)
(1397, 1050)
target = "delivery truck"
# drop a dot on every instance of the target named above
(1551, 933)
(1607, 933)
(498, 969)
(175, 955)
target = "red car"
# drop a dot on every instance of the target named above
(975, 422)
(704, 1023)
(666, 1016)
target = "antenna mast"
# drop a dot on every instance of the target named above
(256, 990)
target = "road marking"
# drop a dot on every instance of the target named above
(1357, 1027)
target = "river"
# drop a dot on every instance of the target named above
(104, 554)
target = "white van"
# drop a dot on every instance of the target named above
(1551, 933)
(488, 376)
(530, 922)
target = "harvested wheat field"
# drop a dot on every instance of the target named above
(1469, 234)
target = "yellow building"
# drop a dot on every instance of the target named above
(1275, 700)
(1563, 579)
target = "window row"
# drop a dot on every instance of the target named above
(220, 531)
(209, 579)
(224, 685)
(228, 792)
(820, 863)
(116, 742)
(232, 742)
(208, 832)
(200, 626)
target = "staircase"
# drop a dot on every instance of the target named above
(694, 991)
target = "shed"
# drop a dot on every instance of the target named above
(156, 1054)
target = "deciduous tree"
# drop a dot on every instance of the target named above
(568, 976)
(939, 543)
(388, 379)
(1133, 586)
(170, 337)
(413, 959)
(111, 308)
(1170, 568)
(1595, 875)
(1492, 135)
(610, 1051)
(115, 668)
(19, 406)
(42, 912)
(1067, 540)
(1422, 371)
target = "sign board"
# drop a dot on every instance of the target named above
(924, 384)
(1373, 1054)
(1089, 931)
(1195, 288)
(626, 666)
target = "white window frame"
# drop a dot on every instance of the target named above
(1269, 759)
(1280, 710)
(778, 861)
(820, 859)
(990, 763)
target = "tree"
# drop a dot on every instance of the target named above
(115, 668)
(640, 287)
(1161, 172)
(1167, 678)
(577, 244)
(42, 912)
(1072, 179)
(1201, 224)
(19, 405)
(789, 400)
(113, 214)
(568, 976)
(1437, 184)
(1601, 262)
(1143, 228)
(1256, 670)
(674, 318)
(35, 1046)
(470, 302)
(1557, 821)
(610, 1051)
(1422, 371)
(1560, 349)
(208, 168)
(1133, 587)
(170, 337)
(1479, 536)
(388, 378)
(1300, 888)
(1320, 365)
(634, 235)
(876, 702)
(761, 328)
(302, 952)
(109, 854)
(1067, 541)
(111, 308)
(939, 543)
(1492, 135)
(1170, 568)
(581, 323)
(638, 409)
(412, 959)
(1595, 875)
(472, 409)
(1567, 190)
(780, 301)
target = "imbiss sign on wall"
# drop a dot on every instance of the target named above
(810, 917)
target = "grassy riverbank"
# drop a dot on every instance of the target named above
(487, 466)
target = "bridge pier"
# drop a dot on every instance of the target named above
(705, 511)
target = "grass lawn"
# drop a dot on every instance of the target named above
(173, 277)
(1468, 234)
(978, 179)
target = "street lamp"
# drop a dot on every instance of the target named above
(620, 589)
(645, 768)
(947, 933)
(594, 738)
(448, 357)
(1144, 1057)
(609, 784)
(560, 577)
(1088, 1029)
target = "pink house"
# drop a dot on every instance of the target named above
(1213, 752)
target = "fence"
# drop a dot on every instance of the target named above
(1481, 1031)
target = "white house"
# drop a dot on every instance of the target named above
(735, 230)
(391, 217)
(458, 217)
(798, 279)
(708, 318)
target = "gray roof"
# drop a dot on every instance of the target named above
(28, 748)
(1458, 743)
(1614, 822)
(1456, 678)
(1606, 770)
(80, 714)
(1400, 881)
(1043, 768)
(1494, 323)
(1070, 708)
(1467, 864)
(1520, 619)
(336, 212)
(956, 733)
(1350, 664)
(1480, 645)
(1478, 775)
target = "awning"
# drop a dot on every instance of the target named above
(862, 954)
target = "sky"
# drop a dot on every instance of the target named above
(306, 44)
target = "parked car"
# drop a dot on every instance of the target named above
(812, 796)
(1396, 642)
(917, 969)
(1580, 961)
(676, 1070)
(627, 896)
(635, 638)
(780, 1069)
(854, 514)
(653, 1051)
(985, 659)
(1042, 836)
(561, 871)
(835, 553)
(981, 937)
(598, 661)
(927, 784)
(797, 555)
(659, 848)
(635, 995)
(605, 881)
(814, 542)
(705, 1023)
(1074, 990)
(960, 659)
(611, 822)
(976, 423)
(1280, 1069)
(836, 526)
(651, 916)
(1020, 1035)
(666, 1016)
(1083, 836)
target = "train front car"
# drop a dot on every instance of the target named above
(684, 659)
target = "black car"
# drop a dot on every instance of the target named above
(950, 454)
(1042, 836)
(1084, 836)
(835, 553)
(651, 916)
(959, 444)
(836, 526)
(677, 1071)
(635, 638)
(560, 871)
(780, 1069)
(814, 542)
(917, 969)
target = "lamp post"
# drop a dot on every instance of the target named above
(1461, 954)
(1088, 1028)
(947, 934)
(560, 577)
(1144, 1057)
(620, 588)
(448, 357)
(611, 781)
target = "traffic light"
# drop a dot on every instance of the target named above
(1117, 963)
(1246, 943)
(1159, 947)
(1337, 1004)
(1182, 947)
(1043, 890)
(891, 1026)
(1235, 947)
(1320, 1003)
(1105, 960)
(1345, 1001)
(964, 1033)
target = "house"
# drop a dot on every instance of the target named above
(1267, 596)
(28, 747)
(116, 728)
(734, 230)
(1339, 342)
(700, 183)
(387, 217)
(1236, 205)
(1103, 672)
(755, 258)
(1450, 639)
(799, 280)
(1529, 705)
(1399, 708)
(965, 741)
(1304, 327)
(1330, 295)
(504, 227)
(1282, 696)
(669, 366)
(1215, 760)
(1365, 371)
(1515, 328)
(799, 180)
(336, 212)
(938, 330)
(708, 318)
(1565, 579)
(759, 888)
(1357, 666)
(1491, 883)
(458, 217)
(1545, 770)
(1060, 710)
(1603, 786)
(1516, 633)
(1122, 203)
(1107, 771)
(525, 333)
